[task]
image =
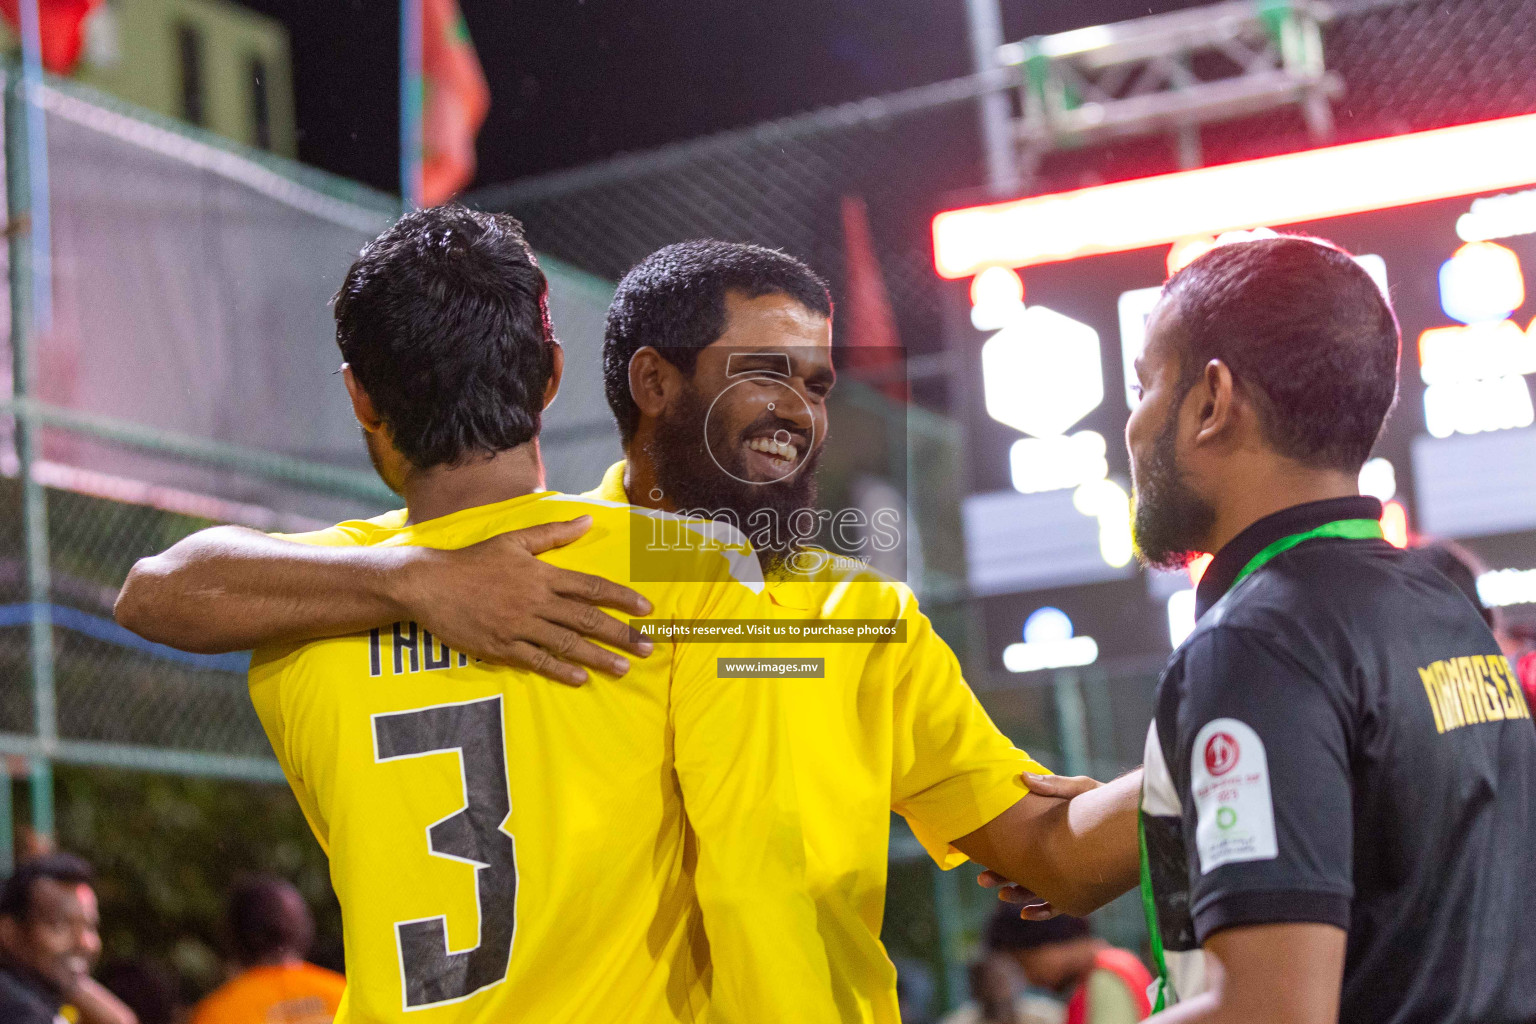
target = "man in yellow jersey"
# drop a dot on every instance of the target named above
(505, 848)
(718, 362)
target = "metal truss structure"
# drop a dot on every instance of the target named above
(1171, 73)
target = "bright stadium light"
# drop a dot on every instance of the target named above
(1504, 587)
(1107, 502)
(1078, 651)
(1501, 216)
(1377, 268)
(1049, 643)
(997, 298)
(1251, 235)
(1135, 306)
(1181, 616)
(1476, 352)
(1394, 524)
(1047, 625)
(1378, 478)
(1055, 463)
(1186, 250)
(1288, 189)
(1478, 406)
(1482, 282)
(1043, 373)
(997, 286)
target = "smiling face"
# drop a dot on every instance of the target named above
(57, 939)
(746, 430)
(766, 381)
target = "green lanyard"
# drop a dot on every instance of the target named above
(1349, 529)
(1157, 992)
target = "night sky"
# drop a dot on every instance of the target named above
(576, 80)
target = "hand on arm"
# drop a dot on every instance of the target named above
(1032, 907)
(1077, 854)
(231, 589)
(1269, 974)
(97, 1004)
(952, 769)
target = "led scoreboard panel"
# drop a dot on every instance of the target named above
(1059, 288)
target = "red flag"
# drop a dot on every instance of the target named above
(60, 23)
(866, 323)
(455, 103)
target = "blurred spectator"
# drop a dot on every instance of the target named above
(148, 990)
(270, 932)
(48, 942)
(1102, 984)
(1462, 568)
(996, 999)
(1522, 638)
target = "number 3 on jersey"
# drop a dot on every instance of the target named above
(430, 972)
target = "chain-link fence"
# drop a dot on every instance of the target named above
(181, 378)
(1405, 65)
(120, 700)
(185, 283)
(184, 376)
(779, 184)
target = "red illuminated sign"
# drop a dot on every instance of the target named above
(1288, 189)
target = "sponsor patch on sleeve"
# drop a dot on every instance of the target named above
(1229, 779)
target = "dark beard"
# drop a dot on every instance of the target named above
(1172, 521)
(699, 477)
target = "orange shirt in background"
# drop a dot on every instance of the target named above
(292, 994)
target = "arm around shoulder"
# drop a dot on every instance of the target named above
(229, 589)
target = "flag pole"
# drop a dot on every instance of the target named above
(30, 200)
(410, 103)
(37, 164)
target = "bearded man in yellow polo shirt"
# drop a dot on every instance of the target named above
(717, 363)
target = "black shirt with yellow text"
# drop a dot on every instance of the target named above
(1340, 741)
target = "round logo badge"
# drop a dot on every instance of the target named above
(785, 395)
(1226, 817)
(1220, 753)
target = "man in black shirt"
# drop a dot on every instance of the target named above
(48, 942)
(1339, 803)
